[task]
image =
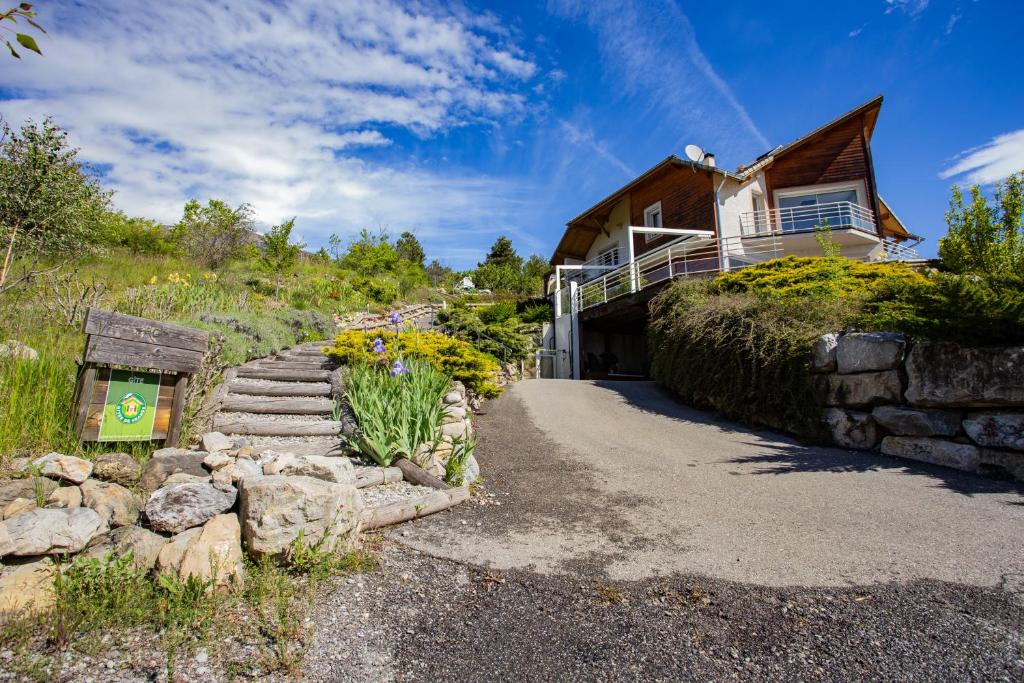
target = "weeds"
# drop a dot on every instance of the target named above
(455, 466)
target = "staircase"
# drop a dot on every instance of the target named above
(285, 402)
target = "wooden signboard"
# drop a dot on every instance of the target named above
(132, 383)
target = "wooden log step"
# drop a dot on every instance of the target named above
(280, 388)
(278, 405)
(305, 352)
(375, 476)
(417, 475)
(252, 372)
(421, 506)
(295, 365)
(227, 424)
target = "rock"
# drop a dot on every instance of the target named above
(216, 553)
(456, 430)
(902, 421)
(144, 545)
(471, 472)
(946, 374)
(168, 461)
(862, 390)
(183, 478)
(222, 477)
(455, 411)
(119, 468)
(35, 488)
(246, 452)
(869, 351)
(338, 469)
(274, 509)
(173, 552)
(215, 441)
(6, 546)
(65, 467)
(1006, 464)
(115, 504)
(998, 430)
(179, 507)
(27, 587)
(217, 461)
(433, 464)
(243, 468)
(65, 497)
(960, 456)
(12, 348)
(18, 506)
(49, 531)
(452, 398)
(851, 429)
(823, 353)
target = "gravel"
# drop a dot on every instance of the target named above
(375, 496)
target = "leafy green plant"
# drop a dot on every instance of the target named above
(984, 238)
(395, 413)
(455, 466)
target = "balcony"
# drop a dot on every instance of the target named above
(835, 216)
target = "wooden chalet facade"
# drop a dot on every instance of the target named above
(684, 218)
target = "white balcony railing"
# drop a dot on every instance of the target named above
(835, 215)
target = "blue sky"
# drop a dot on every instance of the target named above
(464, 121)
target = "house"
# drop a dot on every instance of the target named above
(688, 217)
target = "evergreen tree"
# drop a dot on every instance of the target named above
(410, 249)
(503, 254)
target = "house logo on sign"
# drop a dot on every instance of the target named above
(130, 408)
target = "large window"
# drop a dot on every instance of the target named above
(836, 208)
(652, 219)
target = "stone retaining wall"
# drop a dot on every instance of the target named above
(934, 402)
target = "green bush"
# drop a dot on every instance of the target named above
(497, 313)
(794, 276)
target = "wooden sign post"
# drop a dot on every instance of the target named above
(135, 372)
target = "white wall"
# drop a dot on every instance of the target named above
(736, 199)
(618, 221)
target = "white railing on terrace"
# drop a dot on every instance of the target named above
(688, 258)
(835, 215)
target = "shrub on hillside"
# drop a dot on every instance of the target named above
(794, 276)
(454, 357)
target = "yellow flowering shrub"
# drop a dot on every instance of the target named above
(456, 358)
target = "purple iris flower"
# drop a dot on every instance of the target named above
(378, 346)
(399, 369)
(394, 318)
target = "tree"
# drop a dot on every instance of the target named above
(410, 249)
(984, 238)
(535, 272)
(49, 203)
(215, 233)
(503, 254)
(280, 255)
(22, 11)
(371, 254)
(437, 273)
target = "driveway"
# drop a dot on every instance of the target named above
(618, 477)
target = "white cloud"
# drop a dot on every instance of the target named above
(953, 19)
(585, 138)
(652, 54)
(857, 31)
(910, 7)
(275, 104)
(996, 159)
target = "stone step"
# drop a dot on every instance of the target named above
(278, 405)
(283, 375)
(231, 423)
(279, 388)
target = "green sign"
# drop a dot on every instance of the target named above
(129, 411)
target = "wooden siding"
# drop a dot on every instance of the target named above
(687, 201)
(836, 156)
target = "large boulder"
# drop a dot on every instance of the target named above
(902, 421)
(1008, 464)
(946, 374)
(119, 468)
(998, 430)
(65, 497)
(115, 504)
(959, 456)
(64, 467)
(25, 488)
(19, 506)
(168, 461)
(174, 509)
(212, 553)
(50, 531)
(143, 544)
(26, 587)
(869, 351)
(823, 353)
(337, 469)
(862, 390)
(275, 509)
(215, 441)
(851, 429)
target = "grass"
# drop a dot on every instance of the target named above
(99, 598)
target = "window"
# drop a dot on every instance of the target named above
(652, 219)
(760, 216)
(608, 257)
(838, 208)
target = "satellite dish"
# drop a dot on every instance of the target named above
(694, 153)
